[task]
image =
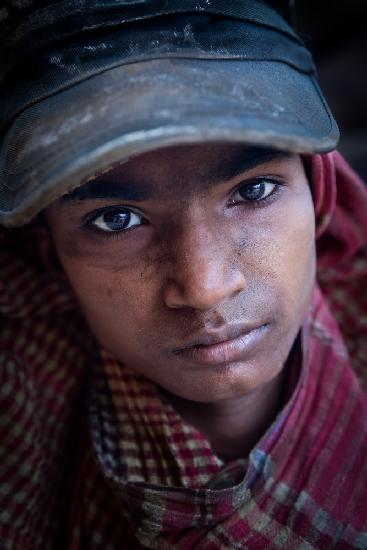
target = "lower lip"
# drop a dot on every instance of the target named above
(228, 351)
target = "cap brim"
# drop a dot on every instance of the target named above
(59, 142)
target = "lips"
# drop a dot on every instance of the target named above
(231, 343)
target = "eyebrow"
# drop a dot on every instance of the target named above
(111, 186)
(108, 188)
(255, 156)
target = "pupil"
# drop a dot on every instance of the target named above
(117, 220)
(253, 191)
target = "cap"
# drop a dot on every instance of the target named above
(86, 85)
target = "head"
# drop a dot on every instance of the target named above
(193, 264)
(191, 253)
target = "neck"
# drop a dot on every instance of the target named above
(234, 426)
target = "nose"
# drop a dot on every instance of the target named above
(203, 274)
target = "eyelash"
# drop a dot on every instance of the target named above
(264, 201)
(90, 219)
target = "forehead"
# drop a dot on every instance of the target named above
(179, 166)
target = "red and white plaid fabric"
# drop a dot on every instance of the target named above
(93, 457)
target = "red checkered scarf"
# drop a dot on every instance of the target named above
(93, 457)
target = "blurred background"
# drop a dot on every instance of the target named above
(336, 33)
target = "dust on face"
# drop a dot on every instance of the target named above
(179, 245)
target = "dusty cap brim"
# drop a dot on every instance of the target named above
(63, 140)
(232, 72)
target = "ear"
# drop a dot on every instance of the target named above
(323, 183)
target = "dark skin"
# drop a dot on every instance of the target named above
(194, 265)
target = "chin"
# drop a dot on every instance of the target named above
(223, 382)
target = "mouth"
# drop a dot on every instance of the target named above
(233, 343)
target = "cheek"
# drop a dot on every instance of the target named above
(114, 304)
(291, 255)
(278, 257)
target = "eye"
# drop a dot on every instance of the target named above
(115, 219)
(255, 190)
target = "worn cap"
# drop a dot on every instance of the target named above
(84, 85)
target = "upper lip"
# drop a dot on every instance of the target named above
(218, 336)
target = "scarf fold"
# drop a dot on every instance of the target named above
(341, 212)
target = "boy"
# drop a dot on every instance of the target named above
(173, 376)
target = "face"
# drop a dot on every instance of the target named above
(193, 265)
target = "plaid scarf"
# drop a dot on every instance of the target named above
(92, 456)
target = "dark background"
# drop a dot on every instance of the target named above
(336, 33)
